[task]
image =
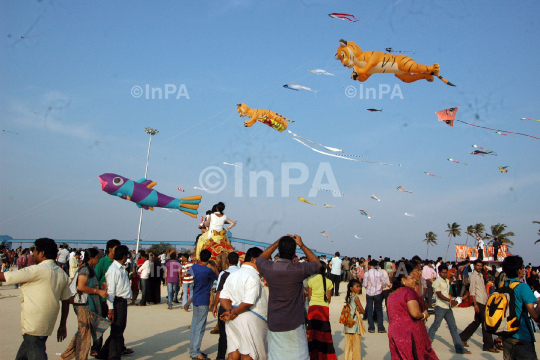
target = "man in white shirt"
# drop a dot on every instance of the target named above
(119, 292)
(62, 259)
(443, 310)
(244, 299)
(43, 286)
(232, 260)
(144, 273)
(335, 272)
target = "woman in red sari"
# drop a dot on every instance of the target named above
(407, 334)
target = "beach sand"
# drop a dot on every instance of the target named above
(155, 332)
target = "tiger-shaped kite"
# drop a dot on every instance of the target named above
(365, 64)
(270, 118)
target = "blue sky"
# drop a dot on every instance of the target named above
(67, 93)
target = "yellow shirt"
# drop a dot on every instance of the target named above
(42, 286)
(317, 290)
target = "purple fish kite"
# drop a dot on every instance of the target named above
(142, 194)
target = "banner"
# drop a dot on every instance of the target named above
(471, 252)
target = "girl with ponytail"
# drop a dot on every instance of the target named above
(319, 333)
(353, 334)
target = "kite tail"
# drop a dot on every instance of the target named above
(189, 205)
(445, 81)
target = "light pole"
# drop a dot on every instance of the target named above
(150, 132)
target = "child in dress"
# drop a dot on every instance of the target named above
(353, 335)
(135, 286)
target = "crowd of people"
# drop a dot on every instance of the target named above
(268, 307)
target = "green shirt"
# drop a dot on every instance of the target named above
(101, 269)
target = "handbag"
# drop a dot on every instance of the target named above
(77, 297)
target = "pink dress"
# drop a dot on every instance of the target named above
(408, 338)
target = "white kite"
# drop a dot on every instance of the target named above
(374, 197)
(320, 72)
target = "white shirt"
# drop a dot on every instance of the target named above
(481, 244)
(63, 256)
(216, 222)
(71, 254)
(82, 255)
(232, 269)
(163, 257)
(336, 266)
(245, 286)
(42, 287)
(117, 283)
(144, 270)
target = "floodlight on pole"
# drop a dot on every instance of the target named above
(150, 132)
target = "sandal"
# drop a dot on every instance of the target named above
(493, 350)
(127, 351)
(465, 344)
(93, 353)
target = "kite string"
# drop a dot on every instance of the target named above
(158, 144)
(509, 132)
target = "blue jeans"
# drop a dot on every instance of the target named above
(198, 326)
(172, 290)
(32, 348)
(144, 290)
(377, 301)
(175, 299)
(185, 297)
(448, 315)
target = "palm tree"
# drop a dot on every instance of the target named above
(537, 222)
(497, 233)
(470, 232)
(431, 239)
(479, 230)
(453, 230)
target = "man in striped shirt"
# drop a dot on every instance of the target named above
(187, 281)
(374, 282)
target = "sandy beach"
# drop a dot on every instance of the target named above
(155, 332)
